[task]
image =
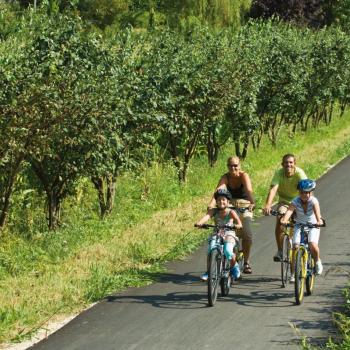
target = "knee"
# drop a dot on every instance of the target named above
(247, 230)
(228, 253)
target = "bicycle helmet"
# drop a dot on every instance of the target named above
(223, 193)
(306, 185)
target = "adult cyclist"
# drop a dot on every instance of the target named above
(285, 184)
(237, 182)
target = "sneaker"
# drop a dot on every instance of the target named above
(278, 256)
(291, 279)
(235, 272)
(319, 267)
(204, 277)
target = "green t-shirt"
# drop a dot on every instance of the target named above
(287, 186)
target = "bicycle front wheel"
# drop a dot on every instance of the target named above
(300, 273)
(213, 276)
(310, 276)
(286, 260)
(225, 280)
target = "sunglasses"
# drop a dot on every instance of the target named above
(233, 165)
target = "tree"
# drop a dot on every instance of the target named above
(72, 67)
(187, 91)
(311, 13)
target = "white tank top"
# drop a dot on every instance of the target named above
(308, 216)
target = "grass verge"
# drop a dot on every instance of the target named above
(46, 275)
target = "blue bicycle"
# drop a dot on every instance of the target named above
(218, 265)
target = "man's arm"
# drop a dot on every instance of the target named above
(269, 200)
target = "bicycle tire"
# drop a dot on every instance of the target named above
(285, 261)
(310, 277)
(213, 276)
(225, 281)
(299, 276)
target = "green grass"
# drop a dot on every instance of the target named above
(53, 274)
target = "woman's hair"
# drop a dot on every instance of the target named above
(233, 158)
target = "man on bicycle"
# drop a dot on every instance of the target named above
(284, 183)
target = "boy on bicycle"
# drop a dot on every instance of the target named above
(307, 211)
(223, 215)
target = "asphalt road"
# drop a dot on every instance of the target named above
(257, 314)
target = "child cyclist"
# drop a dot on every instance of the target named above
(307, 210)
(223, 215)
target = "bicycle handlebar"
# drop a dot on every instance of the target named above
(276, 213)
(308, 225)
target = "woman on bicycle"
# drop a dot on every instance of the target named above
(237, 182)
(307, 211)
(223, 215)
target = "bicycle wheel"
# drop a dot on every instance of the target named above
(225, 280)
(299, 276)
(310, 275)
(285, 262)
(213, 276)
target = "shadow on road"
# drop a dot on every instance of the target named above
(252, 291)
(175, 300)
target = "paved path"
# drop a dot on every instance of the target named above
(258, 313)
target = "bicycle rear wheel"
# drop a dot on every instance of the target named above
(310, 275)
(213, 276)
(225, 281)
(286, 261)
(299, 276)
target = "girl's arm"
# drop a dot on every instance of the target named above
(205, 218)
(287, 215)
(236, 218)
(317, 212)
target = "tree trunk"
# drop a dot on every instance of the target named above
(5, 207)
(53, 209)
(213, 147)
(5, 202)
(105, 187)
(245, 146)
(99, 186)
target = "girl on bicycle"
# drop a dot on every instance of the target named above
(223, 215)
(307, 211)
